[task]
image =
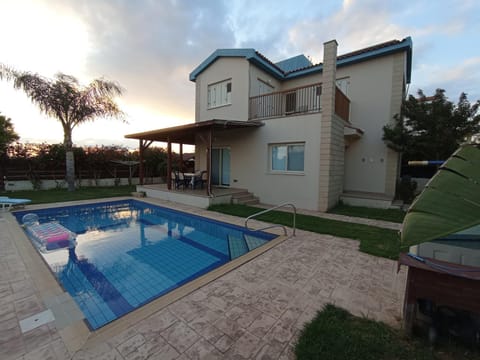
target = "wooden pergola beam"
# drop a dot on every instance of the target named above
(144, 144)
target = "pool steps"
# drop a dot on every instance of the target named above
(239, 246)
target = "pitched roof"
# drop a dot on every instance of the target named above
(297, 66)
(293, 63)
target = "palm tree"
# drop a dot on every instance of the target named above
(70, 103)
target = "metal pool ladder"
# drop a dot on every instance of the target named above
(276, 225)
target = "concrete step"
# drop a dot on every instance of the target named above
(252, 201)
(244, 198)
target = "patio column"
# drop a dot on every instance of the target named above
(180, 159)
(144, 144)
(141, 170)
(209, 162)
(169, 164)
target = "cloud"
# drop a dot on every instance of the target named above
(355, 25)
(455, 79)
(150, 47)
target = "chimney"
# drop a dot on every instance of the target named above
(331, 134)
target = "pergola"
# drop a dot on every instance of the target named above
(187, 134)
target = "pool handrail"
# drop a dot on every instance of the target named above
(277, 225)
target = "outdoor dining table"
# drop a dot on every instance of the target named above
(191, 177)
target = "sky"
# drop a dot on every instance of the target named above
(150, 46)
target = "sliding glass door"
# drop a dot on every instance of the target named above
(221, 166)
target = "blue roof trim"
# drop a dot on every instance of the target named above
(405, 44)
(249, 54)
(276, 70)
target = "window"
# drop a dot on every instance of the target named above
(343, 85)
(287, 157)
(219, 94)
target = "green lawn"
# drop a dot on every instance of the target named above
(373, 240)
(393, 215)
(336, 334)
(59, 195)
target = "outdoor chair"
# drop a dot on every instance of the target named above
(178, 179)
(202, 180)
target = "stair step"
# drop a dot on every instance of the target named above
(253, 242)
(236, 246)
(244, 198)
(250, 201)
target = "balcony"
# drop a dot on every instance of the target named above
(296, 101)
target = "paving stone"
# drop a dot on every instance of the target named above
(147, 349)
(168, 352)
(224, 343)
(203, 350)
(44, 353)
(131, 345)
(22, 289)
(261, 325)
(28, 306)
(37, 338)
(209, 333)
(5, 288)
(229, 327)
(7, 311)
(180, 336)
(245, 347)
(270, 351)
(155, 324)
(248, 317)
(12, 349)
(9, 329)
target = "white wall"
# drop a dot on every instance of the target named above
(19, 185)
(223, 69)
(370, 93)
(250, 159)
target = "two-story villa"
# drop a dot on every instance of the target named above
(296, 132)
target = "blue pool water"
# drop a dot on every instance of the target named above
(128, 253)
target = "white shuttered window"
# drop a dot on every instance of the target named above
(219, 94)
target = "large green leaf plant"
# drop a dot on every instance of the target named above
(449, 203)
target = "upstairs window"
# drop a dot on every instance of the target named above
(219, 94)
(343, 85)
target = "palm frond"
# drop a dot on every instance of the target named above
(449, 203)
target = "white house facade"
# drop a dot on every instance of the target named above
(298, 132)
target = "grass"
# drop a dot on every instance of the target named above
(336, 334)
(373, 240)
(60, 195)
(393, 215)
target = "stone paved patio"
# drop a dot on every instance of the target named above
(253, 312)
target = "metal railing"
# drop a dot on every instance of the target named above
(276, 225)
(300, 100)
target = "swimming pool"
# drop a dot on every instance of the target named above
(128, 253)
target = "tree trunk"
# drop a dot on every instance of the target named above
(69, 159)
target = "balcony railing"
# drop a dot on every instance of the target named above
(342, 105)
(301, 100)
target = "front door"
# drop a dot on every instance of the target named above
(221, 166)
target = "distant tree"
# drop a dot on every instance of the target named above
(70, 103)
(7, 137)
(432, 128)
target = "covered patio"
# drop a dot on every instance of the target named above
(189, 134)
